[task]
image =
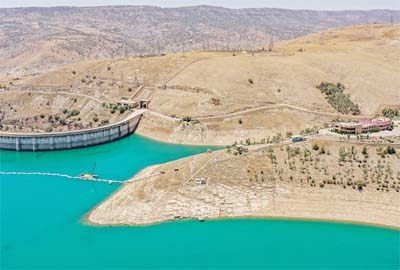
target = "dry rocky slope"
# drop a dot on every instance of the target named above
(35, 39)
(334, 182)
(363, 58)
(46, 112)
(238, 96)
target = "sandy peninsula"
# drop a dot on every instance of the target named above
(333, 182)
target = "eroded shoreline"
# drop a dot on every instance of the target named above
(222, 186)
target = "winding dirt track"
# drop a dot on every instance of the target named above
(55, 93)
(260, 108)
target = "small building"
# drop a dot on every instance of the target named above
(200, 182)
(144, 104)
(364, 126)
(348, 127)
(128, 103)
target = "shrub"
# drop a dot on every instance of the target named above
(74, 113)
(122, 109)
(391, 150)
(105, 122)
(365, 152)
(95, 119)
(389, 112)
(360, 184)
(240, 121)
(251, 81)
(315, 146)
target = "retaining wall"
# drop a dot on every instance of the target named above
(68, 140)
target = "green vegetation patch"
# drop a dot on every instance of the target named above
(390, 112)
(337, 99)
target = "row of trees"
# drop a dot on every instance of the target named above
(117, 107)
(391, 113)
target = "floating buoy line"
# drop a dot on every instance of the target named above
(83, 177)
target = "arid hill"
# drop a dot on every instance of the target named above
(37, 39)
(238, 95)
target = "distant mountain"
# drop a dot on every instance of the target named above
(34, 39)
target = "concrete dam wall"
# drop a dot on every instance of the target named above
(68, 140)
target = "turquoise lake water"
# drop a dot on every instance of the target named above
(42, 223)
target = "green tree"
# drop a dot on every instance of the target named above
(342, 153)
(391, 150)
(315, 146)
(365, 151)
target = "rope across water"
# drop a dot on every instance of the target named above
(82, 178)
(64, 176)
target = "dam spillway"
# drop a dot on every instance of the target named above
(71, 139)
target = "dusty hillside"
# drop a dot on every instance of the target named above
(37, 39)
(240, 95)
(365, 59)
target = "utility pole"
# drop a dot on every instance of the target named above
(136, 78)
(271, 44)
(121, 79)
(158, 46)
(125, 50)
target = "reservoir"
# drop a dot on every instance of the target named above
(42, 223)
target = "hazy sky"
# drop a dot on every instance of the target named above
(292, 4)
